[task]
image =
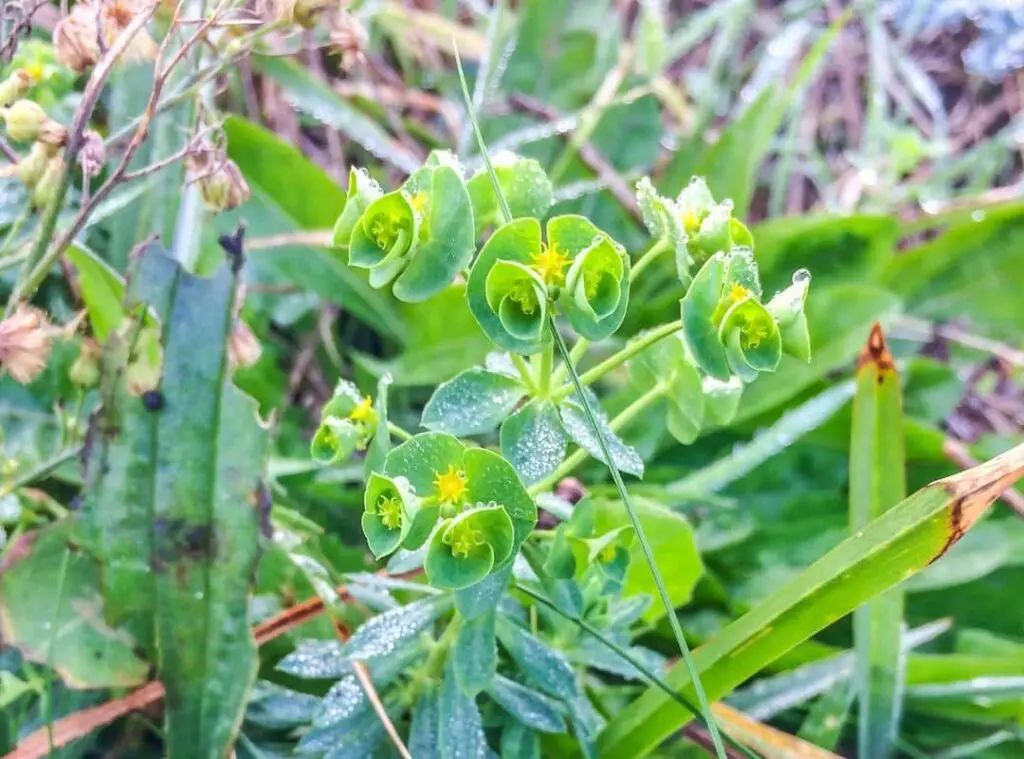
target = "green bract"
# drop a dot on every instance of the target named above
(578, 552)
(664, 221)
(787, 307)
(420, 237)
(347, 423)
(485, 511)
(517, 277)
(525, 185)
(362, 191)
(389, 507)
(666, 362)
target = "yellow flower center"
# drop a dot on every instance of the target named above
(419, 202)
(462, 539)
(390, 510)
(451, 485)
(738, 292)
(691, 223)
(523, 294)
(364, 411)
(35, 70)
(753, 333)
(550, 264)
(607, 553)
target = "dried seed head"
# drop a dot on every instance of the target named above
(221, 184)
(243, 346)
(24, 119)
(15, 86)
(25, 340)
(75, 39)
(350, 38)
(93, 153)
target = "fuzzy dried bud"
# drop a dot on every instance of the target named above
(93, 154)
(15, 86)
(53, 134)
(350, 38)
(24, 119)
(221, 184)
(75, 39)
(243, 346)
(25, 340)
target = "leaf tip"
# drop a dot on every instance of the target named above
(876, 351)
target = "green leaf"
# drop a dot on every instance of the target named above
(534, 710)
(468, 546)
(699, 328)
(533, 440)
(475, 654)
(424, 735)
(492, 479)
(546, 668)
(446, 237)
(383, 635)
(380, 446)
(273, 168)
(423, 458)
(460, 728)
(787, 308)
(519, 742)
(907, 538)
(877, 483)
(313, 96)
(472, 403)
(664, 221)
(171, 505)
(64, 626)
(624, 457)
(102, 290)
(666, 362)
(673, 545)
(516, 241)
(523, 182)
(483, 597)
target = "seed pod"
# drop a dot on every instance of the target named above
(44, 189)
(24, 120)
(243, 346)
(30, 169)
(15, 86)
(85, 371)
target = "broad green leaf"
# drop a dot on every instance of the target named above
(446, 236)
(534, 441)
(102, 290)
(877, 483)
(672, 542)
(162, 506)
(532, 709)
(908, 537)
(475, 654)
(474, 402)
(483, 597)
(546, 668)
(424, 730)
(313, 96)
(423, 458)
(526, 187)
(517, 241)
(68, 631)
(748, 328)
(490, 478)
(575, 421)
(460, 729)
(666, 362)
(272, 168)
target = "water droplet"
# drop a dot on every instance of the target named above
(977, 216)
(801, 275)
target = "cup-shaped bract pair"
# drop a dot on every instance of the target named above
(417, 239)
(728, 330)
(578, 552)
(347, 423)
(518, 277)
(468, 502)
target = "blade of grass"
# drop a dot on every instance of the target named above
(897, 545)
(677, 630)
(877, 483)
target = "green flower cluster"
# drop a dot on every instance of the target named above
(348, 422)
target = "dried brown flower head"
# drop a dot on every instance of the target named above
(25, 340)
(243, 346)
(76, 37)
(93, 154)
(350, 38)
(221, 183)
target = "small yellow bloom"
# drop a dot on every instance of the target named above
(738, 292)
(607, 553)
(419, 202)
(364, 411)
(451, 486)
(691, 223)
(390, 511)
(550, 264)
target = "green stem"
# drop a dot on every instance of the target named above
(620, 420)
(544, 371)
(398, 432)
(645, 545)
(524, 371)
(648, 675)
(645, 260)
(631, 349)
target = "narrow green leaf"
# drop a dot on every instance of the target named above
(532, 709)
(903, 541)
(877, 483)
(460, 728)
(102, 290)
(547, 669)
(475, 654)
(574, 419)
(423, 732)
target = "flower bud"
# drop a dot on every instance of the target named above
(146, 362)
(93, 154)
(85, 371)
(24, 119)
(30, 169)
(25, 340)
(220, 182)
(75, 39)
(15, 86)
(53, 134)
(243, 346)
(46, 186)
